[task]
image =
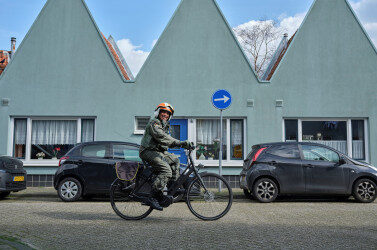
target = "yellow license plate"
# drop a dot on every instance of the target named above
(18, 178)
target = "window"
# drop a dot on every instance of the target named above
(291, 130)
(236, 139)
(345, 135)
(208, 139)
(98, 150)
(41, 138)
(87, 130)
(358, 141)
(175, 131)
(141, 124)
(126, 152)
(19, 141)
(286, 151)
(315, 153)
(329, 133)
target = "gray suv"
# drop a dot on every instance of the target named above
(12, 176)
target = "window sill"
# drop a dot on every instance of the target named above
(215, 163)
(33, 163)
(139, 132)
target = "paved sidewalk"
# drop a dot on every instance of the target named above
(38, 217)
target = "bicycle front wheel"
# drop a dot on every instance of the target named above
(209, 201)
(123, 204)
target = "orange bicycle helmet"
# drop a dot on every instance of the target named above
(165, 106)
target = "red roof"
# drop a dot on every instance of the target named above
(117, 60)
(279, 58)
(4, 60)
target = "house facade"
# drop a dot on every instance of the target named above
(77, 89)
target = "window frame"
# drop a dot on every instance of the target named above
(29, 120)
(136, 130)
(191, 127)
(349, 132)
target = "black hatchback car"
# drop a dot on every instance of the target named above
(88, 168)
(299, 168)
(12, 176)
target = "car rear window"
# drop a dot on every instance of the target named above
(286, 151)
(254, 149)
(97, 150)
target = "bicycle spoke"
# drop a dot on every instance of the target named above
(208, 202)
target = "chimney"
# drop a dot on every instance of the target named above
(12, 46)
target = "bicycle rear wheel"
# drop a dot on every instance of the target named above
(123, 204)
(209, 203)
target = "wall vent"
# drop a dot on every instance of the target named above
(279, 103)
(4, 102)
(250, 102)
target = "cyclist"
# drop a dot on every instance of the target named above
(153, 150)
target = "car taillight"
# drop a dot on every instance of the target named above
(62, 160)
(255, 157)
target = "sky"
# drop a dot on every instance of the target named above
(137, 24)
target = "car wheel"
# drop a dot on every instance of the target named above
(4, 194)
(265, 190)
(248, 194)
(364, 190)
(69, 189)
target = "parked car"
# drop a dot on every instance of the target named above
(12, 176)
(299, 168)
(88, 169)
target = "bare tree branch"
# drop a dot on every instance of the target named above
(259, 41)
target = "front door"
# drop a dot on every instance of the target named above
(178, 130)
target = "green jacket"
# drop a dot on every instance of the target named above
(156, 137)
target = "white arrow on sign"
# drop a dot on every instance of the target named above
(225, 99)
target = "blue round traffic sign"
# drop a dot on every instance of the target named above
(221, 99)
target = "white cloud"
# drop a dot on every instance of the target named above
(134, 56)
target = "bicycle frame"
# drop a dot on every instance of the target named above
(179, 182)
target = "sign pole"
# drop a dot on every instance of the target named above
(221, 147)
(221, 100)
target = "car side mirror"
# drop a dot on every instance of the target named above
(342, 161)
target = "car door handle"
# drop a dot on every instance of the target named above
(309, 166)
(79, 162)
(273, 163)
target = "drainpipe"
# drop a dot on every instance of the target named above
(12, 46)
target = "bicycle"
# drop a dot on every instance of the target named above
(208, 196)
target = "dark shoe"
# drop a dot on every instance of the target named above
(166, 201)
(154, 204)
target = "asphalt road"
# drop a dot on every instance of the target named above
(38, 217)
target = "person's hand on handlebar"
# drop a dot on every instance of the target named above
(187, 145)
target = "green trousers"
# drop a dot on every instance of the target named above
(165, 165)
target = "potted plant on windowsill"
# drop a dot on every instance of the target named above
(40, 155)
(55, 152)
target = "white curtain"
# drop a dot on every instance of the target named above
(207, 131)
(20, 131)
(338, 145)
(236, 133)
(358, 149)
(87, 130)
(54, 132)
